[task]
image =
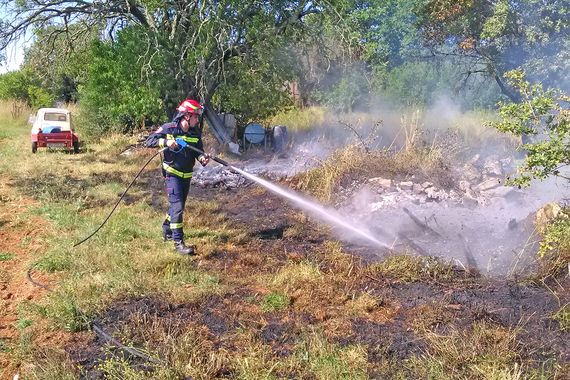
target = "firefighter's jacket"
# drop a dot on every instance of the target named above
(180, 163)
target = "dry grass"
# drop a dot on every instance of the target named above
(484, 351)
(407, 268)
(322, 181)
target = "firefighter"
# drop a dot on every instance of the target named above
(177, 167)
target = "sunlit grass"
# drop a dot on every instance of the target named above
(484, 351)
(408, 268)
(300, 119)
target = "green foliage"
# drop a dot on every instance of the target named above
(351, 91)
(6, 256)
(493, 37)
(59, 60)
(540, 112)
(254, 87)
(554, 249)
(24, 85)
(274, 302)
(118, 93)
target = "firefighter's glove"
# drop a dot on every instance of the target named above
(204, 159)
(171, 144)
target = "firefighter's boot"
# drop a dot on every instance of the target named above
(183, 249)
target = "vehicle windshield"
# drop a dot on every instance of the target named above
(55, 117)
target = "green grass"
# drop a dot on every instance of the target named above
(321, 359)
(274, 302)
(6, 256)
(300, 119)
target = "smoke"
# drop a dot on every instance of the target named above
(490, 231)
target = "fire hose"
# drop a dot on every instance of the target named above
(97, 329)
(181, 144)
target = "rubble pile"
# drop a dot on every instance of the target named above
(479, 182)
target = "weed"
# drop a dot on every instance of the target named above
(407, 268)
(563, 317)
(321, 359)
(274, 302)
(363, 304)
(295, 276)
(554, 250)
(23, 323)
(65, 313)
(6, 256)
(50, 364)
(58, 258)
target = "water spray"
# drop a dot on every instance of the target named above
(327, 215)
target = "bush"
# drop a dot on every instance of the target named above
(554, 251)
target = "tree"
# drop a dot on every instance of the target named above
(542, 113)
(496, 36)
(193, 39)
(25, 86)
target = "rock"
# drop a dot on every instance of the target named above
(427, 184)
(464, 186)
(470, 173)
(500, 192)
(474, 159)
(493, 166)
(408, 185)
(507, 163)
(545, 215)
(383, 182)
(435, 194)
(488, 184)
(417, 189)
(469, 201)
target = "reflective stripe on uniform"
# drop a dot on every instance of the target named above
(177, 173)
(185, 138)
(168, 217)
(176, 225)
(189, 139)
(161, 142)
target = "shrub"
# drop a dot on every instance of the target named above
(554, 251)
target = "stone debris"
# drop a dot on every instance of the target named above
(478, 184)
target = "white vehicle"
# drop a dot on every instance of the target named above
(52, 128)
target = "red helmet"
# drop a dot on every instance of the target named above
(191, 106)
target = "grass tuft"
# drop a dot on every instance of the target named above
(274, 302)
(323, 360)
(6, 256)
(484, 351)
(563, 317)
(408, 268)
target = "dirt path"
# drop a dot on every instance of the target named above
(19, 238)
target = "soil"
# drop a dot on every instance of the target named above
(19, 239)
(390, 332)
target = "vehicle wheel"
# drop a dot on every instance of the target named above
(76, 147)
(34, 147)
(279, 138)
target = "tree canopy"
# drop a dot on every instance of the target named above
(129, 62)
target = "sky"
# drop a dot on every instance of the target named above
(14, 58)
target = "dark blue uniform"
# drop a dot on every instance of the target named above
(177, 169)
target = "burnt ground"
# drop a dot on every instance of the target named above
(392, 330)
